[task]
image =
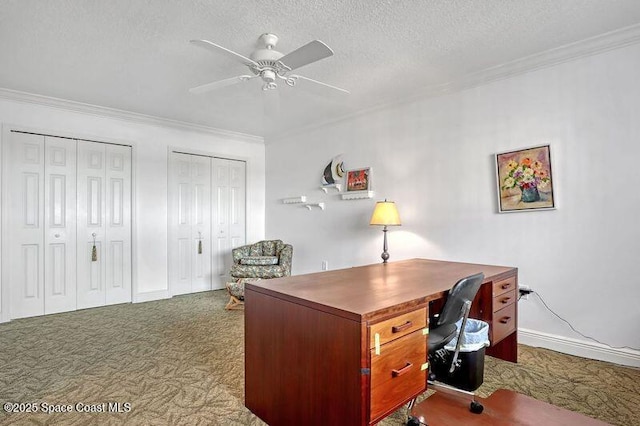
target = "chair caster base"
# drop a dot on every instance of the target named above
(475, 407)
(413, 421)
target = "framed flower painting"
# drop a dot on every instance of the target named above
(525, 181)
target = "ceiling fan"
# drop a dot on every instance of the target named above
(268, 64)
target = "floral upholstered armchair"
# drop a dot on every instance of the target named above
(264, 259)
(253, 262)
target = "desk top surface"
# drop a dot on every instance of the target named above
(362, 292)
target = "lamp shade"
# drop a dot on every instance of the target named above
(385, 213)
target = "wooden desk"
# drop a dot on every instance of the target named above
(311, 355)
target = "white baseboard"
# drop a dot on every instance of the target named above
(150, 296)
(581, 348)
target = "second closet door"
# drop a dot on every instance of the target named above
(190, 223)
(206, 220)
(229, 194)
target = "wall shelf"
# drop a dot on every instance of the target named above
(311, 205)
(295, 200)
(357, 195)
(336, 186)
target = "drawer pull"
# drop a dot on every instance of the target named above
(505, 320)
(399, 328)
(400, 372)
(505, 286)
(505, 300)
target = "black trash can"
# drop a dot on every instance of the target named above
(469, 375)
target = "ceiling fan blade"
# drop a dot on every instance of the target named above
(222, 83)
(229, 53)
(310, 52)
(343, 91)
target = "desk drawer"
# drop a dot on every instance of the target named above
(504, 323)
(397, 374)
(398, 326)
(503, 286)
(503, 300)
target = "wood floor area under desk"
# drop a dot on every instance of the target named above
(501, 408)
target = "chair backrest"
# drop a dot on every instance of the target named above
(462, 291)
(261, 248)
(277, 248)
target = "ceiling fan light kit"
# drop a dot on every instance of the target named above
(269, 64)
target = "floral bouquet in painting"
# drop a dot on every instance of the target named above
(524, 179)
(528, 175)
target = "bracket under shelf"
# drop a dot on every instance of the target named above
(336, 186)
(311, 205)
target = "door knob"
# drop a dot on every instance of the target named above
(57, 235)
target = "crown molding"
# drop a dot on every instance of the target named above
(100, 111)
(549, 58)
(567, 53)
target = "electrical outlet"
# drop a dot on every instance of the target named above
(524, 291)
(325, 265)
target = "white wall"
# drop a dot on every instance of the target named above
(435, 158)
(150, 142)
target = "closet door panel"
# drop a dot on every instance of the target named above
(60, 225)
(221, 209)
(180, 221)
(118, 224)
(25, 235)
(184, 262)
(237, 205)
(201, 223)
(229, 214)
(91, 228)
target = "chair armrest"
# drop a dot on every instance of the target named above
(240, 252)
(286, 258)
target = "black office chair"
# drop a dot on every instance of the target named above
(456, 308)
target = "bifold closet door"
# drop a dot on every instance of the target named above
(189, 223)
(229, 214)
(103, 224)
(60, 225)
(40, 236)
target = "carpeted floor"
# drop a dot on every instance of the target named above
(180, 362)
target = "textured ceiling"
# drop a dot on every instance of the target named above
(135, 55)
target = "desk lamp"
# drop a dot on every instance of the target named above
(385, 214)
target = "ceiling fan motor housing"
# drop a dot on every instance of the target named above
(268, 76)
(268, 40)
(265, 55)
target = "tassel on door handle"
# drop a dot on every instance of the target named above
(199, 242)
(94, 251)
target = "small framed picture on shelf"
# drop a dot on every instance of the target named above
(358, 180)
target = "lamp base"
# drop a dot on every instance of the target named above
(385, 253)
